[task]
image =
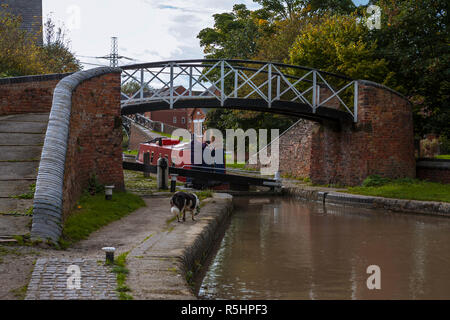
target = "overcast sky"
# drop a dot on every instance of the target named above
(148, 30)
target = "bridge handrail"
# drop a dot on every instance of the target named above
(159, 82)
(278, 64)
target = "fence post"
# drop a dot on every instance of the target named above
(146, 164)
(173, 183)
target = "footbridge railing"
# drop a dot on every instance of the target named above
(272, 83)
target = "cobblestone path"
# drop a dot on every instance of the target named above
(57, 279)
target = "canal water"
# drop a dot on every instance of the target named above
(283, 248)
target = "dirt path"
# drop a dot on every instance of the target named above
(126, 233)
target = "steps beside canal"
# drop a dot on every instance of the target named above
(21, 141)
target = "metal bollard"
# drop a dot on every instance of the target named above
(108, 192)
(109, 254)
(162, 174)
(173, 183)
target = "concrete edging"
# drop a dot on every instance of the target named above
(199, 248)
(397, 205)
(48, 198)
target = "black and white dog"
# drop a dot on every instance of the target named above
(182, 202)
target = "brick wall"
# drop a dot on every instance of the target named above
(95, 139)
(381, 142)
(167, 117)
(137, 136)
(30, 94)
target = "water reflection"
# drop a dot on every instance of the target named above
(286, 249)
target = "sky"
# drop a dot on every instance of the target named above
(147, 30)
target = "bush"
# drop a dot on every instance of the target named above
(375, 181)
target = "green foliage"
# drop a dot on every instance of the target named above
(410, 52)
(444, 144)
(287, 9)
(137, 183)
(375, 180)
(131, 152)
(202, 195)
(94, 212)
(407, 189)
(281, 9)
(414, 40)
(234, 34)
(275, 46)
(121, 271)
(20, 55)
(94, 185)
(29, 194)
(337, 44)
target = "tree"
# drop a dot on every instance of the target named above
(338, 44)
(414, 41)
(282, 9)
(288, 9)
(234, 35)
(20, 55)
(334, 6)
(56, 50)
(275, 47)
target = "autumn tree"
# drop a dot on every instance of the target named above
(338, 44)
(21, 55)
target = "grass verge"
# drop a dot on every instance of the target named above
(443, 157)
(94, 212)
(130, 152)
(202, 195)
(411, 189)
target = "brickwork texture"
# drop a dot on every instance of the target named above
(381, 142)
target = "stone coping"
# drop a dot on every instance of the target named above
(442, 164)
(398, 205)
(48, 198)
(34, 78)
(161, 266)
(382, 86)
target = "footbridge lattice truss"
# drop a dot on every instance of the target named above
(239, 84)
